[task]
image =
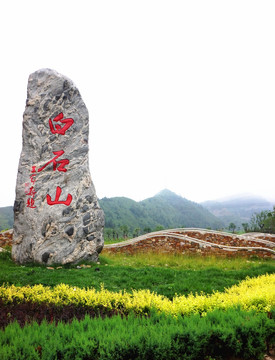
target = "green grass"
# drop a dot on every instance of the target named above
(164, 274)
(231, 334)
(114, 241)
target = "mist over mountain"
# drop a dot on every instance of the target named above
(237, 209)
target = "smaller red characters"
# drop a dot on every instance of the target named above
(32, 178)
(30, 203)
(57, 196)
(31, 191)
(58, 129)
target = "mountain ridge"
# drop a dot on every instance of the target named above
(165, 209)
(168, 209)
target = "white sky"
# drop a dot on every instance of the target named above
(180, 93)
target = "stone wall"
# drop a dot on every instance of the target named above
(200, 241)
(190, 241)
(6, 238)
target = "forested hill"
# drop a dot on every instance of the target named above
(6, 217)
(164, 209)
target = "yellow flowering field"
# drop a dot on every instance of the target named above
(251, 294)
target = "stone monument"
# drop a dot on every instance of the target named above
(57, 218)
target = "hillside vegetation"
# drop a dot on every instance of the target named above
(166, 210)
(125, 217)
(6, 217)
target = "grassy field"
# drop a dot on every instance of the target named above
(205, 335)
(165, 274)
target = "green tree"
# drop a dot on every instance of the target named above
(125, 231)
(232, 227)
(269, 222)
(245, 227)
(115, 234)
(159, 228)
(108, 233)
(257, 221)
(147, 230)
(136, 232)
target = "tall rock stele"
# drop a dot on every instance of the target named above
(57, 218)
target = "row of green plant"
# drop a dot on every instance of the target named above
(219, 335)
(165, 274)
(251, 294)
(124, 232)
(263, 221)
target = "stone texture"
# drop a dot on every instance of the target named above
(199, 241)
(57, 218)
(5, 238)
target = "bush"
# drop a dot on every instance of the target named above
(218, 334)
(251, 294)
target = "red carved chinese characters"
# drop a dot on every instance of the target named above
(57, 165)
(30, 191)
(30, 203)
(58, 129)
(57, 196)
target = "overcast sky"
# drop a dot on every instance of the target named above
(181, 94)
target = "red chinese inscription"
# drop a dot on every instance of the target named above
(57, 196)
(30, 203)
(29, 190)
(57, 129)
(57, 165)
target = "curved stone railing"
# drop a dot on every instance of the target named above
(206, 242)
(190, 240)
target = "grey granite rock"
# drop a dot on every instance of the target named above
(57, 218)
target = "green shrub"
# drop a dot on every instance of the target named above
(219, 334)
(251, 294)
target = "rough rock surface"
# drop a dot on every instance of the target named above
(200, 241)
(57, 218)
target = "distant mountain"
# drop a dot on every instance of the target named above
(6, 217)
(166, 209)
(237, 209)
(170, 210)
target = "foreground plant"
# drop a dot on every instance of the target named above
(251, 294)
(218, 335)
